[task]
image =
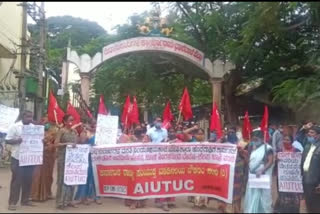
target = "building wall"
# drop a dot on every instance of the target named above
(10, 39)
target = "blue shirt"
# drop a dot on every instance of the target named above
(157, 135)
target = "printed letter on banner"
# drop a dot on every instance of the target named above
(146, 170)
(31, 148)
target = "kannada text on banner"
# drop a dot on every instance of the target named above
(31, 148)
(76, 166)
(289, 173)
(107, 129)
(146, 170)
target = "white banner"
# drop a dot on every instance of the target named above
(76, 165)
(107, 130)
(8, 116)
(289, 173)
(31, 148)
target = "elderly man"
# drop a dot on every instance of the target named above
(21, 179)
(311, 171)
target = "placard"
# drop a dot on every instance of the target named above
(263, 182)
(31, 148)
(289, 172)
(107, 129)
(76, 165)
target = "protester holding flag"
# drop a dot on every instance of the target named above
(261, 163)
(66, 136)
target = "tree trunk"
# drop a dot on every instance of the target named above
(231, 110)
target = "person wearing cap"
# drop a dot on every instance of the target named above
(310, 170)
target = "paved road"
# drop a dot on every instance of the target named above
(110, 205)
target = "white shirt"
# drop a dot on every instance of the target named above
(14, 133)
(307, 162)
(157, 135)
(296, 144)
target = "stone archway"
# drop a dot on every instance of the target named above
(88, 65)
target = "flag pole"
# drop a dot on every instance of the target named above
(55, 117)
(179, 117)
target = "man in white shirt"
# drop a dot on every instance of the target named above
(157, 134)
(21, 179)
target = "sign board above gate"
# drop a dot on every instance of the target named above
(153, 44)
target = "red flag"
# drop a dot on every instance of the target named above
(55, 114)
(185, 105)
(134, 113)
(125, 117)
(246, 127)
(215, 121)
(264, 124)
(102, 107)
(167, 116)
(73, 112)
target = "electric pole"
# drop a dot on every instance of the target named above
(22, 91)
(41, 63)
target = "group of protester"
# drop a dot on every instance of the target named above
(255, 157)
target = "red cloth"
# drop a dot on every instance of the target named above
(102, 107)
(246, 127)
(264, 124)
(185, 105)
(167, 116)
(134, 114)
(125, 113)
(215, 121)
(73, 112)
(54, 109)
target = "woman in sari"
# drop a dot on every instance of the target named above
(288, 202)
(66, 136)
(43, 175)
(240, 172)
(87, 193)
(258, 200)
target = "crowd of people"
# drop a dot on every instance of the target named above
(255, 157)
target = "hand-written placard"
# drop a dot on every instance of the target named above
(76, 165)
(107, 130)
(289, 173)
(263, 182)
(31, 148)
(8, 116)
